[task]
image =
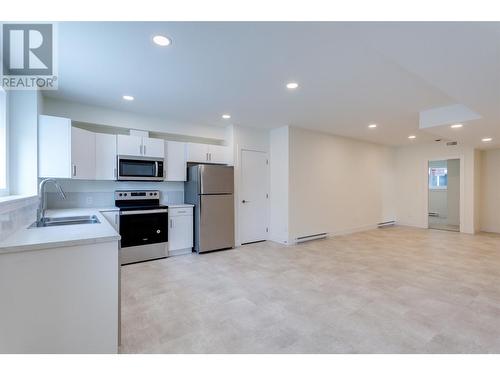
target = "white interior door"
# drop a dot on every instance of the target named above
(253, 196)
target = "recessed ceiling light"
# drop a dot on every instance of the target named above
(456, 126)
(487, 139)
(226, 116)
(292, 85)
(372, 126)
(412, 136)
(128, 97)
(161, 40)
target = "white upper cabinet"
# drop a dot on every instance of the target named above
(140, 146)
(129, 145)
(204, 153)
(197, 153)
(65, 151)
(153, 147)
(217, 154)
(105, 156)
(82, 154)
(54, 147)
(175, 161)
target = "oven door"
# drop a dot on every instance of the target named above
(143, 227)
(140, 169)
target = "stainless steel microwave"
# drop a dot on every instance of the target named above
(140, 168)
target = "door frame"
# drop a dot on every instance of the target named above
(462, 188)
(239, 154)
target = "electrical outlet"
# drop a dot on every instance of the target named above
(89, 201)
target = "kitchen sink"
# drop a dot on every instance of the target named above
(67, 220)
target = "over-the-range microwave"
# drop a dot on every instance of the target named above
(140, 168)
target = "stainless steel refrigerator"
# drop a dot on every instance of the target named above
(210, 188)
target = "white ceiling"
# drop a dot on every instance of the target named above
(350, 74)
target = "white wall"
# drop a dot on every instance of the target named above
(104, 116)
(411, 196)
(279, 184)
(490, 191)
(338, 185)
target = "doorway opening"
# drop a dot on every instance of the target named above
(444, 195)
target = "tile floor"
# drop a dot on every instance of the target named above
(393, 290)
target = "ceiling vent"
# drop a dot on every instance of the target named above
(454, 143)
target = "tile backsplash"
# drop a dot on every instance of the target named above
(82, 194)
(101, 199)
(16, 215)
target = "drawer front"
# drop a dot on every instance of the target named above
(180, 211)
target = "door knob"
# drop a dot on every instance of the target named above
(244, 201)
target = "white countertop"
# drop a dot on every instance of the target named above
(65, 235)
(180, 205)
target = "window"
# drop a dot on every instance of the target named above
(438, 178)
(3, 143)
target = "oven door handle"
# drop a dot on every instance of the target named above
(141, 212)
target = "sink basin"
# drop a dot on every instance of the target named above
(68, 220)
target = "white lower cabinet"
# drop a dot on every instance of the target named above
(180, 230)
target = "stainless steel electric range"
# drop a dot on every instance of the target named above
(143, 225)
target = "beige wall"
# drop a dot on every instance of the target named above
(490, 191)
(338, 185)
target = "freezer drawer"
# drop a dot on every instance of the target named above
(216, 222)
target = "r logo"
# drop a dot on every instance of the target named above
(27, 49)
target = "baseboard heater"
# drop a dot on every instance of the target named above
(311, 237)
(386, 224)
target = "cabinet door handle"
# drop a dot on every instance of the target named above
(74, 170)
(115, 173)
(210, 156)
(140, 149)
(171, 224)
(144, 148)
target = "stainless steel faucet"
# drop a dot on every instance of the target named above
(40, 213)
